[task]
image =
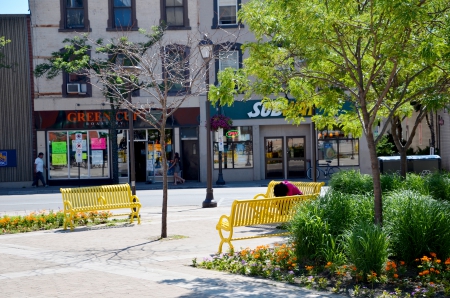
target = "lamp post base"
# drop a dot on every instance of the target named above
(209, 204)
(220, 180)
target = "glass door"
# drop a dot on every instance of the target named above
(296, 163)
(274, 157)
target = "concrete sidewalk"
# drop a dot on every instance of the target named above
(131, 260)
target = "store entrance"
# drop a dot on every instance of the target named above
(189, 160)
(274, 158)
(296, 162)
(140, 161)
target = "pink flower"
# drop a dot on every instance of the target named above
(221, 121)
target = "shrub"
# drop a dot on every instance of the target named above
(417, 225)
(367, 248)
(438, 185)
(351, 182)
(317, 226)
(309, 231)
(415, 182)
(390, 182)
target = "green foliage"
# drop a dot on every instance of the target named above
(390, 182)
(366, 246)
(3, 42)
(438, 185)
(318, 225)
(385, 147)
(417, 225)
(351, 182)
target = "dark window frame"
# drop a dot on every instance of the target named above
(63, 21)
(66, 75)
(230, 47)
(111, 22)
(186, 51)
(215, 20)
(163, 20)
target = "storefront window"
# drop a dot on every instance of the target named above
(154, 150)
(341, 150)
(238, 148)
(78, 154)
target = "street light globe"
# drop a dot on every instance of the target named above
(206, 48)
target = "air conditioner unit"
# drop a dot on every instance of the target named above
(73, 88)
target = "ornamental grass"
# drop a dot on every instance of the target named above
(47, 220)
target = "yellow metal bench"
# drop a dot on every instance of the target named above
(307, 188)
(257, 212)
(96, 198)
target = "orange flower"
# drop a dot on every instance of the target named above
(395, 275)
(447, 262)
(402, 263)
(437, 271)
(425, 259)
(328, 264)
(433, 254)
(309, 268)
(438, 261)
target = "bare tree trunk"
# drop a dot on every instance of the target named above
(378, 202)
(430, 123)
(396, 130)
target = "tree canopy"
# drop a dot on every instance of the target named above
(378, 55)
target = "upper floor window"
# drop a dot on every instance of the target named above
(225, 13)
(176, 69)
(74, 15)
(122, 15)
(174, 14)
(229, 55)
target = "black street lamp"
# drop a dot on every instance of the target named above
(206, 50)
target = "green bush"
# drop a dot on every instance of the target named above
(318, 225)
(415, 182)
(390, 182)
(438, 185)
(351, 182)
(417, 225)
(366, 247)
(308, 231)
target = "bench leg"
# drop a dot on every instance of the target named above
(225, 240)
(135, 213)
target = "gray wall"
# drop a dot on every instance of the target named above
(15, 100)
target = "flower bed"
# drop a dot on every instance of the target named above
(48, 220)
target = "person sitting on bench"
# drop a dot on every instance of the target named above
(285, 189)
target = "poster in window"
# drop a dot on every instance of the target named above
(74, 145)
(97, 157)
(98, 143)
(59, 147)
(59, 159)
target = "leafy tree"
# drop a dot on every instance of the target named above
(3, 43)
(168, 75)
(326, 53)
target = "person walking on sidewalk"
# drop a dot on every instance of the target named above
(39, 170)
(177, 169)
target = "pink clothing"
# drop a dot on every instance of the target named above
(292, 189)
